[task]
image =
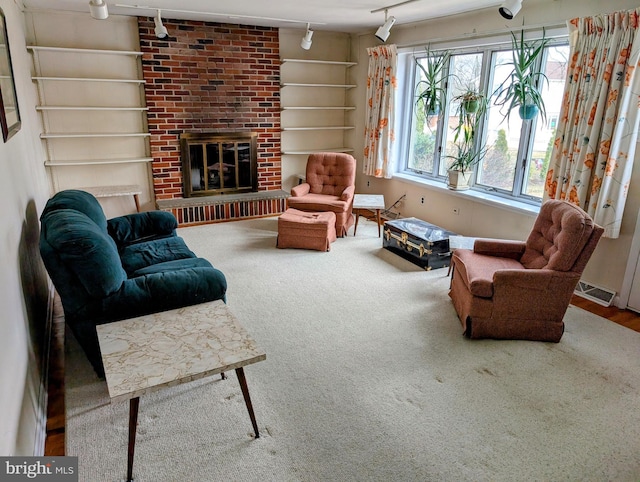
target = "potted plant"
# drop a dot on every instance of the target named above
(430, 89)
(472, 106)
(471, 101)
(522, 87)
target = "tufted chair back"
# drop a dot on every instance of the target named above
(330, 173)
(558, 237)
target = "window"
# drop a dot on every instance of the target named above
(517, 152)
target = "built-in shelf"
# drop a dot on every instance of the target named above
(64, 107)
(333, 122)
(87, 79)
(322, 62)
(329, 149)
(319, 128)
(97, 162)
(338, 107)
(43, 48)
(77, 135)
(339, 86)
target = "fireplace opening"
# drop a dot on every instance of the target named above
(219, 163)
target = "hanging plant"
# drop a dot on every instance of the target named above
(430, 90)
(522, 88)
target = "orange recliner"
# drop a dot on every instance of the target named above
(329, 186)
(518, 290)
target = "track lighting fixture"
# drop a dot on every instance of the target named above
(510, 8)
(383, 32)
(98, 9)
(160, 30)
(306, 40)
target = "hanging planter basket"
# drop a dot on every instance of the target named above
(528, 112)
(471, 106)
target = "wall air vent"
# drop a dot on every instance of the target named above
(597, 294)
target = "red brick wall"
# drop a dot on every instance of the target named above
(210, 77)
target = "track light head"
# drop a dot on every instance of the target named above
(160, 30)
(306, 40)
(98, 9)
(383, 32)
(510, 8)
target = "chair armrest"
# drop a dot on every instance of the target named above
(500, 248)
(300, 189)
(347, 194)
(134, 228)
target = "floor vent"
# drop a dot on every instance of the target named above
(597, 294)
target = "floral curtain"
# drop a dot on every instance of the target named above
(379, 134)
(595, 142)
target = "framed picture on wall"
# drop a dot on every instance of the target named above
(9, 113)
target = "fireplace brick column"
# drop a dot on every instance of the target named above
(210, 77)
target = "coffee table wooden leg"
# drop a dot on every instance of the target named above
(247, 399)
(133, 424)
(378, 219)
(355, 229)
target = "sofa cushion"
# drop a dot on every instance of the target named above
(172, 265)
(85, 249)
(141, 227)
(141, 255)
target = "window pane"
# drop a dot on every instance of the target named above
(422, 145)
(465, 71)
(556, 71)
(503, 136)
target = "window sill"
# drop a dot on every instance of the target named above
(471, 195)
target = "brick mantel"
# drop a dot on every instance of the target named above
(210, 77)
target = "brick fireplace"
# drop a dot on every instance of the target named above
(212, 78)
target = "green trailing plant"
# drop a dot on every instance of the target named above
(472, 107)
(522, 88)
(430, 90)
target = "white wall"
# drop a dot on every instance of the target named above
(23, 192)
(608, 264)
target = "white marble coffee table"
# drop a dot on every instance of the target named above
(369, 202)
(144, 354)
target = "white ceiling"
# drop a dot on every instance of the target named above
(333, 15)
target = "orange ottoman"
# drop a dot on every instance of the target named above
(306, 230)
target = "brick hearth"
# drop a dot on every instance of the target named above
(211, 77)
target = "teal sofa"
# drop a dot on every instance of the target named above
(108, 270)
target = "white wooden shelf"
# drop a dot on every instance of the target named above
(339, 86)
(43, 48)
(319, 107)
(97, 162)
(328, 149)
(321, 62)
(87, 79)
(77, 135)
(319, 128)
(68, 107)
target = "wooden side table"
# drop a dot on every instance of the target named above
(165, 349)
(113, 191)
(367, 202)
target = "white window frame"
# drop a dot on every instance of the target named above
(406, 101)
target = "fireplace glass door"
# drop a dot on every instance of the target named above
(219, 164)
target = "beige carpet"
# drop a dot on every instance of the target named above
(368, 377)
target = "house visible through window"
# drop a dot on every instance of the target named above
(515, 153)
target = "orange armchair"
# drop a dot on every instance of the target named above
(521, 290)
(329, 186)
